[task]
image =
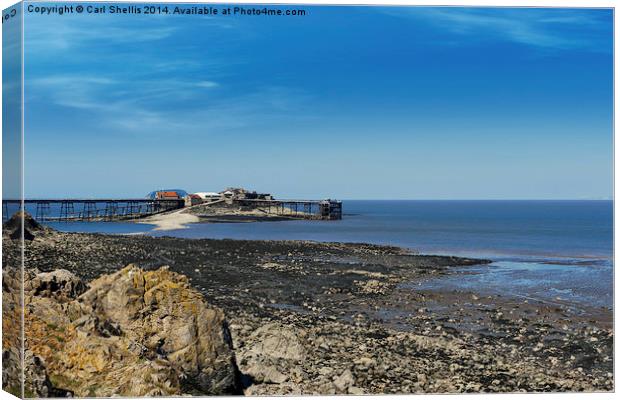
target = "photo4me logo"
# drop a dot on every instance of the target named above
(161, 9)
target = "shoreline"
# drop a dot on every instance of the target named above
(169, 221)
(343, 303)
(544, 258)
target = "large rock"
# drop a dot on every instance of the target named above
(277, 341)
(344, 381)
(22, 219)
(132, 333)
(273, 354)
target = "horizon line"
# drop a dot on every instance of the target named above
(507, 199)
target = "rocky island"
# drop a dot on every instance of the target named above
(139, 315)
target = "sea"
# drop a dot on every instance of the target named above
(552, 251)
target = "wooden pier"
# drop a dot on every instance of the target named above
(90, 209)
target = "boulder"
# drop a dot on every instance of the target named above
(159, 310)
(132, 333)
(344, 381)
(277, 341)
(21, 218)
(265, 373)
(272, 354)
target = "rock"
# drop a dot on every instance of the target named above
(170, 319)
(59, 284)
(132, 333)
(364, 363)
(37, 380)
(11, 371)
(281, 267)
(265, 374)
(11, 330)
(22, 219)
(17, 235)
(344, 381)
(272, 354)
(355, 390)
(326, 389)
(373, 286)
(276, 341)
(297, 375)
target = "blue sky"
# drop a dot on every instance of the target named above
(345, 102)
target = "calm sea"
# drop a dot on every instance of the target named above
(550, 250)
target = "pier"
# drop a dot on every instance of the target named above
(90, 209)
(303, 209)
(64, 210)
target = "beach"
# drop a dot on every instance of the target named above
(180, 219)
(170, 220)
(352, 319)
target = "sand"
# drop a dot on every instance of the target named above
(170, 221)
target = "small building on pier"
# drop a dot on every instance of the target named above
(208, 196)
(167, 195)
(243, 194)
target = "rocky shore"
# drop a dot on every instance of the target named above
(223, 212)
(332, 318)
(131, 333)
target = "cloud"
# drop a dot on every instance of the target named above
(101, 75)
(74, 91)
(207, 84)
(543, 28)
(172, 106)
(63, 80)
(49, 34)
(98, 92)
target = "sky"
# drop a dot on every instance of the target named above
(344, 102)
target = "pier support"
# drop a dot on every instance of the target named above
(67, 210)
(43, 210)
(89, 210)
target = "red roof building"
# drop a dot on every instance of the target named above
(167, 195)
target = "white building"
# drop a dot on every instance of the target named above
(209, 196)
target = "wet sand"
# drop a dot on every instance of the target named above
(355, 309)
(170, 221)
